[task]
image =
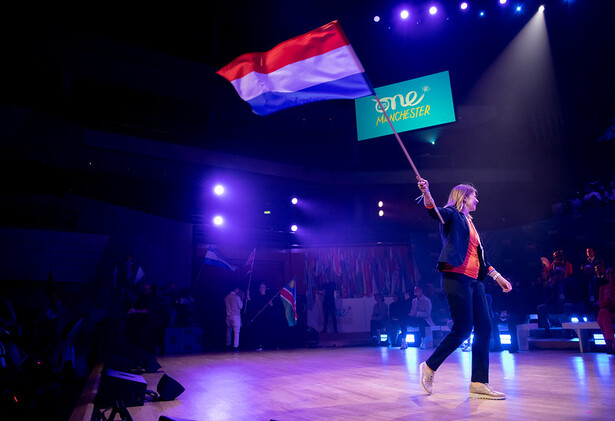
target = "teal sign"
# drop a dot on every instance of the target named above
(413, 104)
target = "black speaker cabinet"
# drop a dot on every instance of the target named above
(168, 389)
(118, 385)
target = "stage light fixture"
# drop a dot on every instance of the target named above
(463, 6)
(433, 10)
(481, 13)
(218, 220)
(404, 14)
(294, 228)
(410, 338)
(376, 19)
(381, 213)
(599, 339)
(503, 2)
(518, 9)
(219, 189)
(380, 204)
(574, 319)
(294, 200)
(383, 337)
(541, 8)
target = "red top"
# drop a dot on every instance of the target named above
(471, 264)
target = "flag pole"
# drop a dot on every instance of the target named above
(245, 308)
(264, 307)
(358, 63)
(416, 171)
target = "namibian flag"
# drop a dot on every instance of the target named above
(316, 66)
(214, 257)
(289, 298)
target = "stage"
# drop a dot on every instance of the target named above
(379, 383)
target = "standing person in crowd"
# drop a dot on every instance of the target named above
(328, 306)
(606, 314)
(463, 266)
(396, 326)
(234, 304)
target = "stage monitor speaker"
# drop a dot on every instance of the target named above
(168, 389)
(119, 386)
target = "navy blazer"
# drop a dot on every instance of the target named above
(455, 234)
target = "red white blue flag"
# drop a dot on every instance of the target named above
(317, 66)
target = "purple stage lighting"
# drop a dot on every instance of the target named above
(433, 10)
(404, 14)
(463, 6)
(219, 189)
(294, 228)
(218, 220)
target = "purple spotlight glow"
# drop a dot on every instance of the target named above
(404, 14)
(294, 228)
(463, 6)
(219, 189)
(433, 10)
(294, 200)
(218, 220)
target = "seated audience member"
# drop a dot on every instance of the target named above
(606, 315)
(380, 313)
(420, 313)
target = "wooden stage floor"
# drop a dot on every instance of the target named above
(378, 383)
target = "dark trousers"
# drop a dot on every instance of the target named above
(468, 306)
(328, 310)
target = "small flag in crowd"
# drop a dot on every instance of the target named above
(250, 262)
(317, 66)
(214, 257)
(289, 298)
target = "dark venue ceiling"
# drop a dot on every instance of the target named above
(122, 104)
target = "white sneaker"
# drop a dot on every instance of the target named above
(426, 377)
(484, 391)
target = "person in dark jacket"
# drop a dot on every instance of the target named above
(463, 266)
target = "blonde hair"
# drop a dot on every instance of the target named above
(458, 195)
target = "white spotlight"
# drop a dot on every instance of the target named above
(380, 212)
(380, 204)
(541, 8)
(376, 19)
(404, 14)
(294, 228)
(218, 220)
(433, 10)
(294, 200)
(219, 189)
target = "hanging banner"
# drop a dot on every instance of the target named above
(414, 104)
